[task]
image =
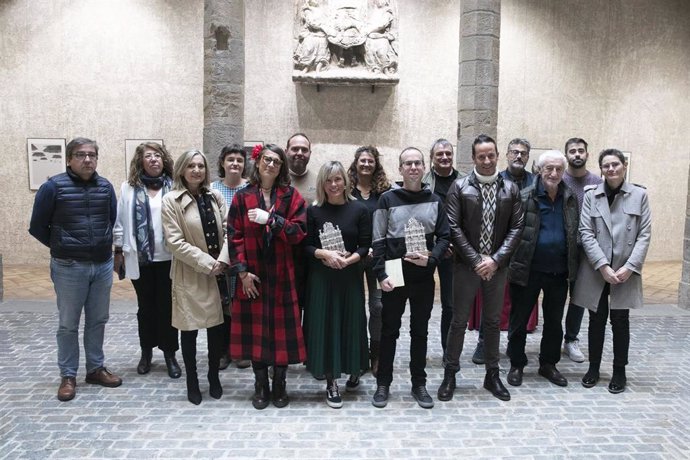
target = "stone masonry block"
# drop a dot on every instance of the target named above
(480, 23)
(479, 47)
(481, 5)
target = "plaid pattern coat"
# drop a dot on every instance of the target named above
(267, 329)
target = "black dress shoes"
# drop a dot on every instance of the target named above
(515, 376)
(618, 380)
(590, 379)
(550, 373)
(174, 370)
(492, 382)
(447, 388)
(144, 366)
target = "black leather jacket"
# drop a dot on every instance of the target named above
(464, 209)
(522, 258)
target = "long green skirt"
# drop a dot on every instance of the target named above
(335, 321)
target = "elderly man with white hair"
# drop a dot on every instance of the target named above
(546, 259)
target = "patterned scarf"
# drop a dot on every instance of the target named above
(143, 229)
(489, 186)
(213, 240)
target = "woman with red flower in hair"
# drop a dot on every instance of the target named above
(266, 223)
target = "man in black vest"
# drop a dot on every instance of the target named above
(73, 214)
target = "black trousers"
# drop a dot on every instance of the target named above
(620, 327)
(523, 298)
(421, 296)
(154, 298)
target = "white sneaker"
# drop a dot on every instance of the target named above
(572, 350)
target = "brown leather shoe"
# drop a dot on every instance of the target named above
(103, 377)
(68, 388)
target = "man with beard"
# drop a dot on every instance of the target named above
(486, 220)
(439, 179)
(298, 153)
(577, 177)
(517, 156)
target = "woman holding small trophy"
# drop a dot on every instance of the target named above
(335, 323)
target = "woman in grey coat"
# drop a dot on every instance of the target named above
(615, 226)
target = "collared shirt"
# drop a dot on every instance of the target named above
(551, 251)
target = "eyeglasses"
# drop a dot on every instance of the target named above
(81, 156)
(521, 153)
(149, 156)
(411, 163)
(268, 161)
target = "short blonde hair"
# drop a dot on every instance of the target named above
(181, 164)
(331, 168)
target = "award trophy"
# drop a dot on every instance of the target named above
(331, 238)
(415, 240)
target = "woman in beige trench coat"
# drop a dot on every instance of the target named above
(194, 232)
(615, 227)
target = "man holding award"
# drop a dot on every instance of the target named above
(410, 236)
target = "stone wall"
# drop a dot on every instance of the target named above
(106, 70)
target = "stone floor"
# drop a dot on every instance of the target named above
(149, 416)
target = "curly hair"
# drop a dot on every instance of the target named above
(136, 166)
(379, 181)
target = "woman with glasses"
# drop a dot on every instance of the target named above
(232, 164)
(193, 216)
(266, 223)
(141, 254)
(615, 227)
(367, 182)
(338, 238)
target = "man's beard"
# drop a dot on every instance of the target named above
(577, 163)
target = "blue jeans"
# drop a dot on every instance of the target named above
(81, 285)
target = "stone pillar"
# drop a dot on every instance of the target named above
(223, 75)
(684, 286)
(480, 31)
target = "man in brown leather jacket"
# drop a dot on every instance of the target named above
(486, 220)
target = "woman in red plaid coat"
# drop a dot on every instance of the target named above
(266, 223)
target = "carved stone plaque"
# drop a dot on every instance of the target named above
(346, 42)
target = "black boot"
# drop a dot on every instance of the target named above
(280, 396)
(374, 347)
(174, 370)
(262, 392)
(215, 350)
(144, 366)
(618, 380)
(188, 341)
(492, 382)
(447, 388)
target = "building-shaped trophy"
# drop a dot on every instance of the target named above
(331, 238)
(415, 240)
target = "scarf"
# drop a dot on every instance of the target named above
(213, 240)
(143, 229)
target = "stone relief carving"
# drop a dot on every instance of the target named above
(346, 38)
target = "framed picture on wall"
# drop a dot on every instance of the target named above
(46, 159)
(131, 147)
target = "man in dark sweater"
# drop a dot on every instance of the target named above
(545, 260)
(74, 213)
(407, 216)
(440, 177)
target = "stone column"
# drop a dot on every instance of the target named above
(223, 75)
(480, 31)
(684, 286)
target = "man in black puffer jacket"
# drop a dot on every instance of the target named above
(546, 259)
(73, 214)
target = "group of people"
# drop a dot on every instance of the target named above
(271, 260)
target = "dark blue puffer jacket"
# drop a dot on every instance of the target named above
(75, 217)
